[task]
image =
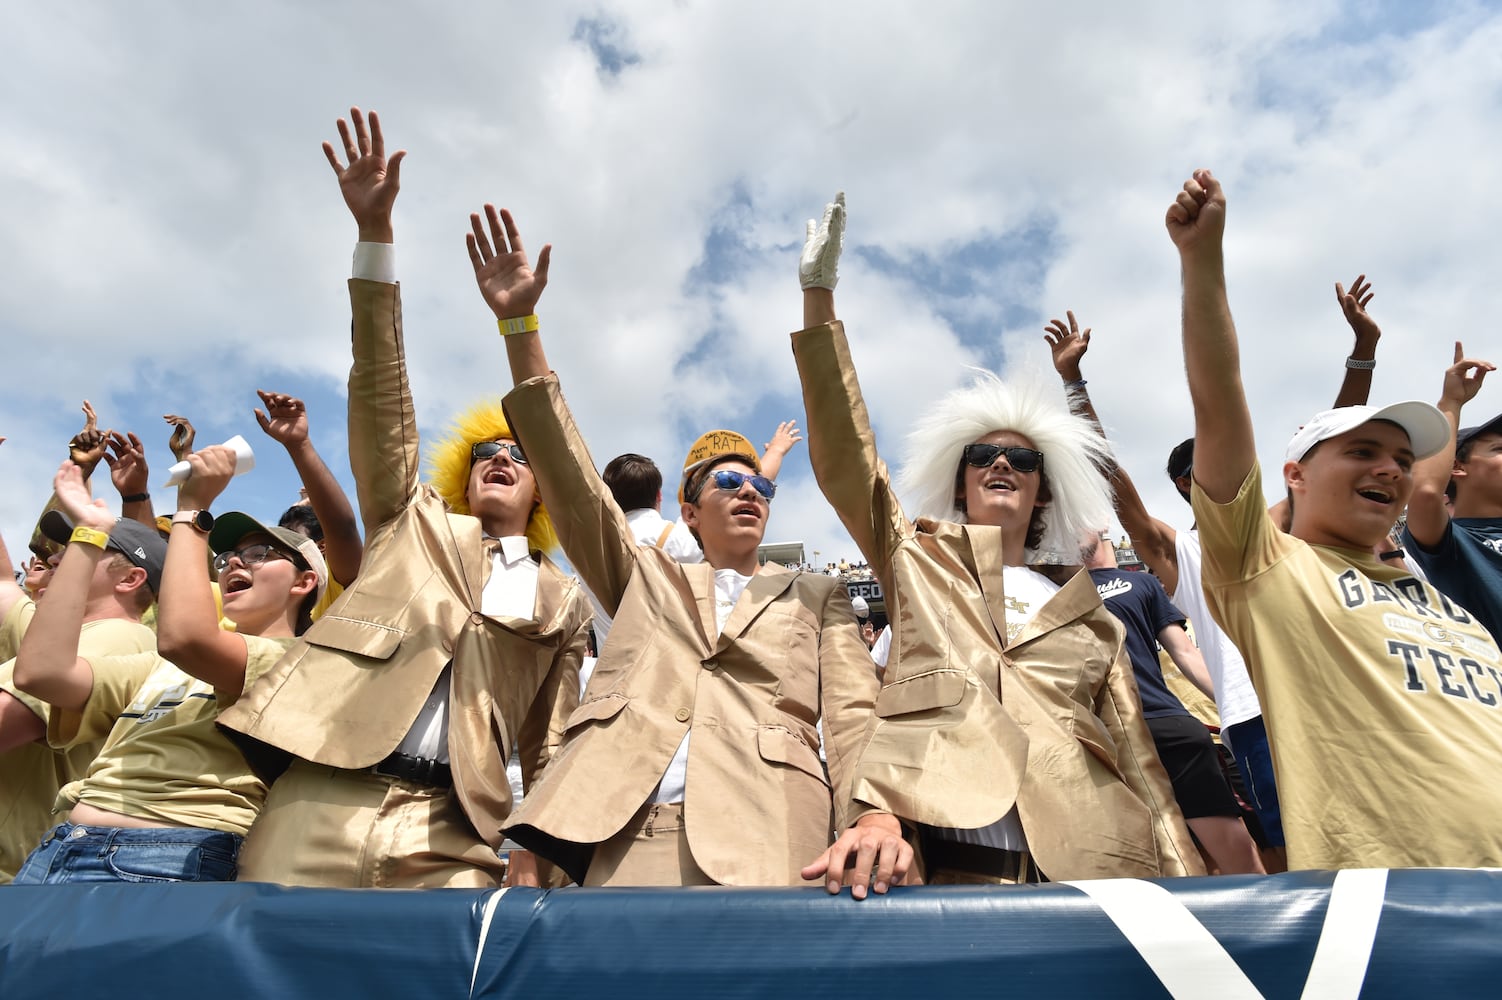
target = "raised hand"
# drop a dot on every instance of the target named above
(1353, 304)
(510, 285)
(1067, 345)
(1196, 220)
(1463, 378)
(285, 419)
(127, 461)
(786, 436)
(819, 265)
(370, 182)
(212, 469)
(73, 499)
(181, 441)
(87, 446)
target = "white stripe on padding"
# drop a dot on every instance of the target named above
(490, 905)
(1345, 941)
(1186, 958)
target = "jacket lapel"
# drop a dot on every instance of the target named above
(1077, 597)
(765, 587)
(984, 543)
(700, 577)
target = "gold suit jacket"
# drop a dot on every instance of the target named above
(348, 692)
(969, 725)
(757, 805)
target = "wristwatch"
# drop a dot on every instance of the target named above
(200, 519)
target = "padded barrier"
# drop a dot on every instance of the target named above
(1307, 934)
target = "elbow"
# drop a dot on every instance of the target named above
(180, 646)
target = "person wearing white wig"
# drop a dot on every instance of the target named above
(1009, 727)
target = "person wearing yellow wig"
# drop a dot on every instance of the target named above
(394, 716)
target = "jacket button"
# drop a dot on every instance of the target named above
(682, 714)
(711, 664)
(477, 618)
(448, 646)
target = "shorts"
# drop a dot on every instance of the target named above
(1188, 755)
(1248, 743)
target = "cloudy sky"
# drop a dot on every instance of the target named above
(174, 239)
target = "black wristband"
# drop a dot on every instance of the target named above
(135, 498)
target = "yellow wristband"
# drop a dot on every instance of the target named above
(89, 536)
(521, 324)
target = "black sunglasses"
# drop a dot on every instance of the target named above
(490, 449)
(1020, 459)
(730, 481)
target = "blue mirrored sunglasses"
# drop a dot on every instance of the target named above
(730, 481)
(1020, 459)
(490, 449)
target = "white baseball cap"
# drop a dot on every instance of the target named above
(862, 609)
(1428, 429)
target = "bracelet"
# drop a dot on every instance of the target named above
(135, 498)
(1361, 366)
(89, 536)
(1078, 383)
(521, 324)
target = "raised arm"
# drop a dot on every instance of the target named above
(285, 420)
(85, 450)
(1224, 446)
(383, 443)
(1153, 540)
(180, 440)
(775, 450)
(1427, 515)
(48, 666)
(511, 288)
(187, 626)
(126, 458)
(1357, 385)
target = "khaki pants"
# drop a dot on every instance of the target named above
(323, 826)
(651, 850)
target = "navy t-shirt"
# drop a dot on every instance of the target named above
(1466, 566)
(1138, 599)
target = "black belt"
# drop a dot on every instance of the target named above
(1013, 866)
(421, 770)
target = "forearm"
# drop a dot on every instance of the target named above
(525, 354)
(1427, 513)
(1224, 445)
(1356, 387)
(818, 307)
(48, 666)
(187, 628)
(341, 532)
(771, 463)
(138, 510)
(383, 443)
(1187, 657)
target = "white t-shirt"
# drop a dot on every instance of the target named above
(1235, 698)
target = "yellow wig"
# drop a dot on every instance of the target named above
(449, 464)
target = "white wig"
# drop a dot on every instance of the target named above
(1075, 456)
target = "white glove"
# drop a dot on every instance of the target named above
(819, 267)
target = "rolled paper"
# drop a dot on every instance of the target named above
(245, 460)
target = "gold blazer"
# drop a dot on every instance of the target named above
(969, 725)
(348, 692)
(757, 805)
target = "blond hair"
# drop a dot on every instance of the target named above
(449, 465)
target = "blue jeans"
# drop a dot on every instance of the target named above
(72, 853)
(1248, 743)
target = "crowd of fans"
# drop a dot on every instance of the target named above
(331, 696)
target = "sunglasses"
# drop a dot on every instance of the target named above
(490, 449)
(250, 556)
(730, 481)
(1020, 459)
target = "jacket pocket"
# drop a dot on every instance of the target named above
(921, 693)
(778, 745)
(596, 710)
(351, 635)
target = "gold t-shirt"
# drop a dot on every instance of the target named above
(31, 774)
(163, 758)
(1382, 699)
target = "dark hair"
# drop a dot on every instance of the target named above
(1181, 463)
(634, 480)
(301, 518)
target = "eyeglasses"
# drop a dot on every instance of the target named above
(730, 481)
(250, 556)
(1020, 459)
(490, 449)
